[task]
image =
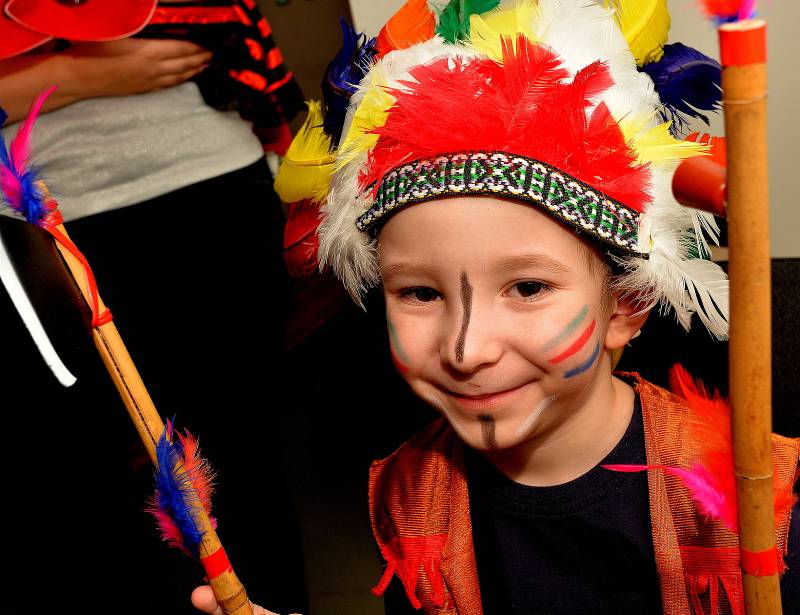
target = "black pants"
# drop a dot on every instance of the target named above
(196, 284)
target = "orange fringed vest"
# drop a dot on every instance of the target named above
(419, 508)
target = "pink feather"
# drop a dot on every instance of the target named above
(20, 148)
(711, 498)
(17, 180)
(712, 501)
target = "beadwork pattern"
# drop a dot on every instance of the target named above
(518, 177)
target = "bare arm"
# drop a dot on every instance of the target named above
(90, 70)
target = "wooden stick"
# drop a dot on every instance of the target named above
(744, 86)
(229, 591)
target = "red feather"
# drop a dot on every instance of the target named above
(711, 425)
(199, 471)
(493, 106)
(728, 9)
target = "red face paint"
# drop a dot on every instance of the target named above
(576, 345)
(399, 357)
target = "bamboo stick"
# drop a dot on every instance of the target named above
(744, 86)
(230, 592)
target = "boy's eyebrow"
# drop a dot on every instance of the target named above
(523, 261)
(402, 268)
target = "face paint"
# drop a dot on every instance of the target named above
(399, 357)
(585, 365)
(526, 426)
(576, 345)
(466, 302)
(487, 428)
(567, 331)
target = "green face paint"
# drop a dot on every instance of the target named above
(567, 331)
(398, 354)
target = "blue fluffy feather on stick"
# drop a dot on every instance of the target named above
(183, 487)
(687, 82)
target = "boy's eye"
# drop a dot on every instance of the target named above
(528, 289)
(420, 294)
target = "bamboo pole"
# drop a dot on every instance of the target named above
(744, 86)
(230, 592)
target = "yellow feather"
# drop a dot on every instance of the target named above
(370, 114)
(305, 172)
(486, 30)
(645, 24)
(656, 143)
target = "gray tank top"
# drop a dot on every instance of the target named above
(105, 153)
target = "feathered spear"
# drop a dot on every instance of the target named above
(744, 86)
(178, 462)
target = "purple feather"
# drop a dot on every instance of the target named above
(342, 76)
(687, 82)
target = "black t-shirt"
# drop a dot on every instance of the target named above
(584, 547)
(581, 547)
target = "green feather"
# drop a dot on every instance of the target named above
(454, 18)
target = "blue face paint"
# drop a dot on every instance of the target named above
(585, 365)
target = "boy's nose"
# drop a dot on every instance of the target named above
(471, 339)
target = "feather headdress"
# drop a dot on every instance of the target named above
(441, 118)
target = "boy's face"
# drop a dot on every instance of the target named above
(496, 316)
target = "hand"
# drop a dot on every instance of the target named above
(203, 599)
(134, 66)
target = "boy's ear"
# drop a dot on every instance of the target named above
(627, 318)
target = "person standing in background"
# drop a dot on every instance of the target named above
(171, 200)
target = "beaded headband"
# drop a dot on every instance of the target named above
(507, 175)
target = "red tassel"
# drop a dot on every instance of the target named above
(405, 557)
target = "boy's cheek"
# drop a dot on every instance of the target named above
(401, 357)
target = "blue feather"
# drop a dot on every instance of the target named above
(342, 76)
(687, 82)
(3, 116)
(174, 494)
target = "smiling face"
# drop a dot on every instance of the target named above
(497, 317)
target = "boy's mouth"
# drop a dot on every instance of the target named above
(484, 401)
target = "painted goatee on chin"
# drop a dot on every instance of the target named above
(488, 429)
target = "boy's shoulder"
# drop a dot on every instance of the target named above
(419, 469)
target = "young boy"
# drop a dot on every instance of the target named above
(511, 194)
